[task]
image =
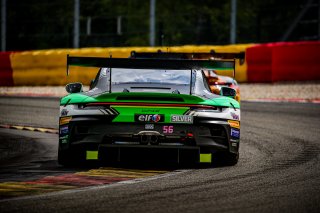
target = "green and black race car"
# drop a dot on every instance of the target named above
(149, 109)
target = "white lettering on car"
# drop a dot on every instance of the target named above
(181, 119)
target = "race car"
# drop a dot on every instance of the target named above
(146, 109)
(216, 82)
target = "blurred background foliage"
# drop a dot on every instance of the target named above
(45, 24)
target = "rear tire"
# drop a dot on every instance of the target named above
(231, 159)
(65, 158)
(227, 158)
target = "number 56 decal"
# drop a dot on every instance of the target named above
(167, 129)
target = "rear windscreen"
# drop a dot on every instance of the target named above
(150, 76)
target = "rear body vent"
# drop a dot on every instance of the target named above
(149, 98)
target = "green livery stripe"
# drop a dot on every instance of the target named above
(149, 97)
(126, 113)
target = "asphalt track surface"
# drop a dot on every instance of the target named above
(278, 171)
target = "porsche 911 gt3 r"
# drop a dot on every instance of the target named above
(148, 108)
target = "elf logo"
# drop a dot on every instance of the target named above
(149, 118)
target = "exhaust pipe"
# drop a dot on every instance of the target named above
(154, 140)
(151, 137)
(144, 140)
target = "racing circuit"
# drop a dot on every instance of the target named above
(135, 106)
(278, 170)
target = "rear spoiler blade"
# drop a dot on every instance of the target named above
(182, 55)
(175, 64)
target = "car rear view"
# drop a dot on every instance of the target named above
(139, 110)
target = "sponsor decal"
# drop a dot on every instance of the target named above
(234, 116)
(64, 139)
(181, 119)
(65, 120)
(167, 129)
(149, 126)
(64, 130)
(235, 133)
(64, 112)
(149, 118)
(234, 144)
(234, 124)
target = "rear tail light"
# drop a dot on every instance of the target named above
(190, 135)
(65, 120)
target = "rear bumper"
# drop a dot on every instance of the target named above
(148, 153)
(94, 133)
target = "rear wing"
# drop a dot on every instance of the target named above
(150, 63)
(212, 55)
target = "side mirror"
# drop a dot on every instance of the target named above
(228, 92)
(74, 87)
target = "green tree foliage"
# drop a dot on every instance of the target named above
(44, 24)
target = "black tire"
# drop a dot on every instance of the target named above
(231, 159)
(66, 158)
(226, 159)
